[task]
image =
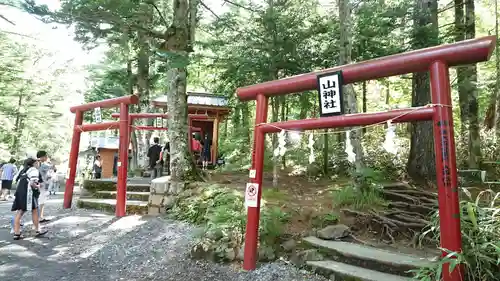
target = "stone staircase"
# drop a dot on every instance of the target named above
(350, 261)
(101, 195)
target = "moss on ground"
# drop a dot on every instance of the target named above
(93, 186)
(131, 209)
(130, 196)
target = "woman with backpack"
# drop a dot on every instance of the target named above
(26, 197)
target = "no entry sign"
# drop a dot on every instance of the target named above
(251, 195)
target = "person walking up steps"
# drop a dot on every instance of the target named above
(9, 171)
(26, 198)
(44, 169)
(154, 158)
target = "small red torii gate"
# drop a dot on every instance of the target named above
(437, 61)
(123, 125)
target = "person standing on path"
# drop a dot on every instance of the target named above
(54, 181)
(97, 167)
(26, 197)
(206, 153)
(9, 171)
(154, 158)
(165, 156)
(44, 169)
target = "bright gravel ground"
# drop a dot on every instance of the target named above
(85, 245)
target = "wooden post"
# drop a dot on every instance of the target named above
(215, 139)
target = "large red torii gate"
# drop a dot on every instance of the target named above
(437, 61)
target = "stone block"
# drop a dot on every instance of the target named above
(168, 202)
(153, 211)
(176, 188)
(155, 199)
(160, 185)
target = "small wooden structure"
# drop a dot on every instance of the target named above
(214, 106)
(107, 147)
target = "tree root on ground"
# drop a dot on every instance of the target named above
(422, 209)
(409, 210)
(392, 223)
(405, 197)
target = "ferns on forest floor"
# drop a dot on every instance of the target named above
(480, 254)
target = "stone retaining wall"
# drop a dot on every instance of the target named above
(163, 194)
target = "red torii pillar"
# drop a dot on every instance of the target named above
(436, 60)
(122, 124)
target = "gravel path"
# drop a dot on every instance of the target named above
(85, 245)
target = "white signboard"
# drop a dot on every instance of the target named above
(251, 195)
(97, 115)
(330, 94)
(252, 174)
(159, 122)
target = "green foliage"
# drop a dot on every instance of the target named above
(274, 195)
(221, 210)
(272, 225)
(31, 99)
(324, 220)
(98, 185)
(480, 240)
(360, 199)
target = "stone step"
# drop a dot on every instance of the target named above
(109, 205)
(341, 271)
(368, 257)
(93, 185)
(131, 195)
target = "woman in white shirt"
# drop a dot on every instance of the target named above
(26, 197)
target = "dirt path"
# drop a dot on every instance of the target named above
(89, 245)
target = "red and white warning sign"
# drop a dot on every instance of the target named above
(251, 195)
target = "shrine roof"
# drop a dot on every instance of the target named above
(198, 98)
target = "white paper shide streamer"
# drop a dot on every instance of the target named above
(281, 149)
(351, 156)
(311, 149)
(390, 139)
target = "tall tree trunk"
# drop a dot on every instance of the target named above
(387, 96)
(245, 124)
(421, 164)
(178, 44)
(284, 108)
(134, 137)
(18, 126)
(463, 98)
(470, 81)
(143, 87)
(497, 80)
(364, 101)
(350, 103)
(274, 140)
(325, 152)
(305, 106)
